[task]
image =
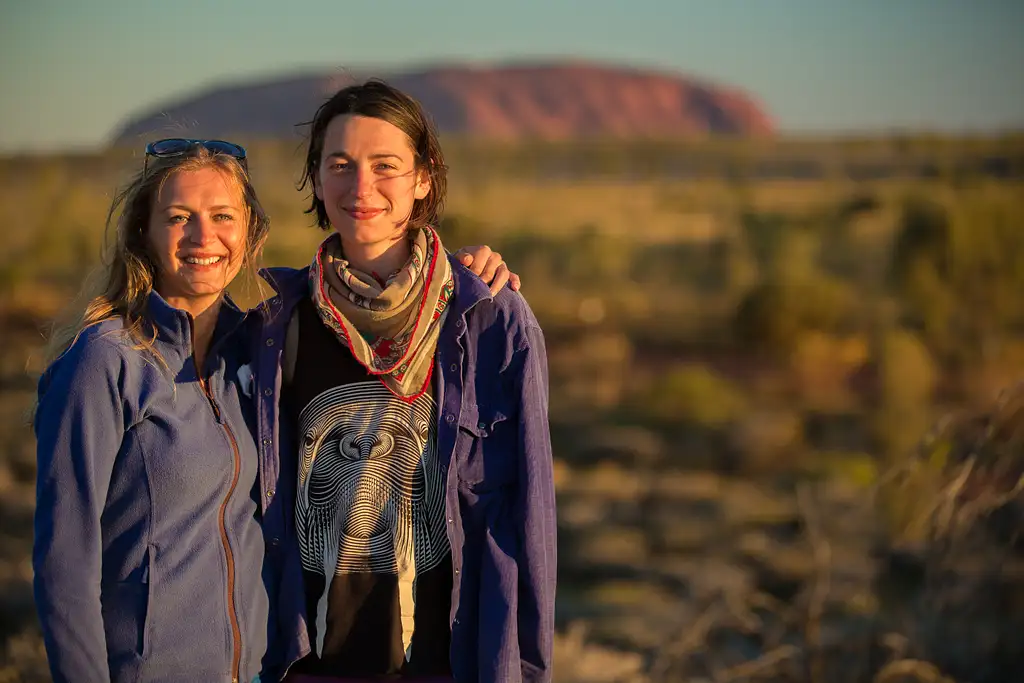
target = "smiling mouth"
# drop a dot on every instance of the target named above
(202, 260)
(361, 214)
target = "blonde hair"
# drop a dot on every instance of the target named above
(121, 285)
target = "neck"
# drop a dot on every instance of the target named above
(381, 258)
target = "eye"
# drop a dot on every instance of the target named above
(385, 168)
(339, 167)
(178, 218)
(220, 217)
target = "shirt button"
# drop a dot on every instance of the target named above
(268, 391)
(449, 418)
(456, 572)
(481, 425)
(458, 323)
(453, 367)
(450, 521)
(270, 342)
(266, 442)
(270, 493)
(275, 541)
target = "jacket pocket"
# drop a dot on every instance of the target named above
(486, 447)
(125, 608)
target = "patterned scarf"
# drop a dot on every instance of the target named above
(391, 329)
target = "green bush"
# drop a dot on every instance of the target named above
(776, 313)
(695, 393)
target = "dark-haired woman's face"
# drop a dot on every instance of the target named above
(368, 180)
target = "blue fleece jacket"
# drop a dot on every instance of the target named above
(148, 546)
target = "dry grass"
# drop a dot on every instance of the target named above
(677, 563)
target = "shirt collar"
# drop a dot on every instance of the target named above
(469, 289)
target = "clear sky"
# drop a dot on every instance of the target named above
(73, 69)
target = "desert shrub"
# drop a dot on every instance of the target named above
(588, 372)
(821, 365)
(459, 231)
(960, 497)
(673, 265)
(856, 235)
(536, 256)
(24, 658)
(776, 313)
(924, 237)
(695, 394)
(592, 258)
(907, 373)
(858, 203)
(764, 232)
(958, 271)
(767, 440)
(723, 265)
(906, 381)
(920, 268)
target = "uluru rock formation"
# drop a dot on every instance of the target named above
(552, 101)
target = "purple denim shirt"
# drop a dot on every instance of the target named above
(495, 451)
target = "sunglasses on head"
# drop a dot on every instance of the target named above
(175, 147)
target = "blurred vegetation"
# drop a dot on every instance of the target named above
(791, 311)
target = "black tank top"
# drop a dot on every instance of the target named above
(369, 516)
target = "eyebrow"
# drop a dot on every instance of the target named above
(219, 207)
(379, 155)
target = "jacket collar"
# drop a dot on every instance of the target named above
(174, 326)
(291, 284)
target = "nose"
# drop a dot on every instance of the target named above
(364, 182)
(202, 230)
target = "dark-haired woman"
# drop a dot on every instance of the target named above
(408, 406)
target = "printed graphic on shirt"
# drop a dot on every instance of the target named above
(370, 495)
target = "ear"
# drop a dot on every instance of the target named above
(317, 190)
(422, 184)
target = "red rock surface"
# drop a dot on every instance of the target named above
(548, 101)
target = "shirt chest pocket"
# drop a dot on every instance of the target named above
(486, 447)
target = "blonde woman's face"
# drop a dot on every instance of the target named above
(197, 237)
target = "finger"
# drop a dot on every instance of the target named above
(491, 268)
(516, 283)
(501, 276)
(464, 257)
(482, 255)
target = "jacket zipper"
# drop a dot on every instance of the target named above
(236, 631)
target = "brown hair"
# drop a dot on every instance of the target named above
(376, 99)
(123, 282)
